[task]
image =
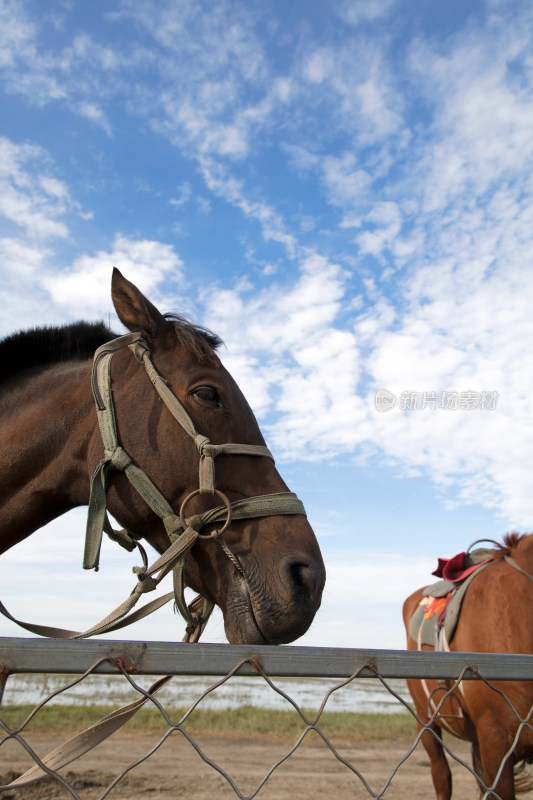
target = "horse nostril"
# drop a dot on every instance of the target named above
(304, 580)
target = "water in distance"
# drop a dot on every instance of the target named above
(367, 695)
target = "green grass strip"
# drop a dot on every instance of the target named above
(243, 721)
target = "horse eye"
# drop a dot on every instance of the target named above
(208, 395)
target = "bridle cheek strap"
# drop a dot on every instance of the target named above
(182, 533)
(207, 450)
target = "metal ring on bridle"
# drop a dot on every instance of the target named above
(213, 534)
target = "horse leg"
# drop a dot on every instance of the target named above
(476, 762)
(431, 737)
(440, 770)
(487, 761)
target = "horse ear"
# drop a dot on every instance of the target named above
(132, 307)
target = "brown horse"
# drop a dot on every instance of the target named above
(51, 444)
(495, 618)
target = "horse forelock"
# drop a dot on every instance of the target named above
(200, 341)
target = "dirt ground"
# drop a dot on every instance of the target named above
(175, 770)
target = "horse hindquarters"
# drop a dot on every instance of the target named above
(495, 729)
(488, 747)
(487, 765)
(505, 790)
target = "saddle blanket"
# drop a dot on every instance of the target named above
(435, 619)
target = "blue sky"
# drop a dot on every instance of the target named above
(341, 190)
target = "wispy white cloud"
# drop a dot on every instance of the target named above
(459, 221)
(355, 85)
(274, 229)
(19, 258)
(346, 182)
(96, 115)
(303, 367)
(22, 301)
(80, 75)
(293, 361)
(35, 211)
(447, 321)
(463, 331)
(355, 11)
(209, 112)
(30, 197)
(17, 32)
(482, 111)
(83, 290)
(183, 195)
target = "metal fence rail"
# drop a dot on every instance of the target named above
(156, 658)
(131, 659)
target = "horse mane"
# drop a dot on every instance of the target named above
(40, 347)
(511, 541)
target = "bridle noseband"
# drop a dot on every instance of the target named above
(183, 532)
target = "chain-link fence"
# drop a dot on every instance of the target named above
(341, 669)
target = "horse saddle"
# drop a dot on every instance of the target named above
(435, 619)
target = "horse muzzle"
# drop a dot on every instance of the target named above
(277, 610)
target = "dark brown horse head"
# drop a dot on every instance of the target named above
(273, 597)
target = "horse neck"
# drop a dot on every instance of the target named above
(46, 423)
